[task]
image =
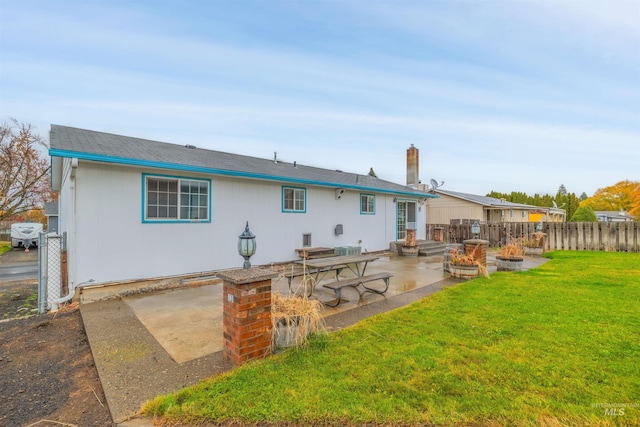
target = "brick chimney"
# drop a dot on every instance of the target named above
(412, 167)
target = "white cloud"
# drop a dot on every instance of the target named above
(518, 93)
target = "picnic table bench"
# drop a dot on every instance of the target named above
(319, 268)
(338, 285)
(299, 272)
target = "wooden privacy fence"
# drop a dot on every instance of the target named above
(581, 236)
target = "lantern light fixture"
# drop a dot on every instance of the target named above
(246, 245)
(475, 229)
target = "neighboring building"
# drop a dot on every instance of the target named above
(134, 208)
(613, 216)
(51, 212)
(5, 231)
(547, 214)
(455, 207)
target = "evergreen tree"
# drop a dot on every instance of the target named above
(584, 214)
(562, 190)
(563, 199)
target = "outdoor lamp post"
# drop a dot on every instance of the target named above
(246, 245)
(475, 229)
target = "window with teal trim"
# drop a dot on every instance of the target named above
(294, 199)
(176, 199)
(367, 204)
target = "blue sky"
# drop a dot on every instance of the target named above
(497, 95)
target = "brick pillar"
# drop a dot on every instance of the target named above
(481, 251)
(247, 314)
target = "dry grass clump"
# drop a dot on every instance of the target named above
(296, 315)
(512, 250)
(536, 240)
(470, 259)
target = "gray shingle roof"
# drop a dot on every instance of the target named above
(615, 215)
(485, 200)
(105, 147)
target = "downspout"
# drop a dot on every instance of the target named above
(72, 292)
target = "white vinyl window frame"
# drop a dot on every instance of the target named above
(294, 199)
(367, 204)
(170, 199)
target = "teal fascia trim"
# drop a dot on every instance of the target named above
(173, 221)
(172, 166)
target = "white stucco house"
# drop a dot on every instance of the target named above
(133, 208)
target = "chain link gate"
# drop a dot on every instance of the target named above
(50, 248)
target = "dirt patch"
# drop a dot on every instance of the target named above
(48, 375)
(18, 300)
(47, 370)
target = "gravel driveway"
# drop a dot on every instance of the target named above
(18, 265)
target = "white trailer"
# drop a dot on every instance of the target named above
(25, 234)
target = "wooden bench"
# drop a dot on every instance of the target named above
(338, 285)
(312, 253)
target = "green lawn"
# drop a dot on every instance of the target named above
(557, 345)
(5, 247)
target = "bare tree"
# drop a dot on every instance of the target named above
(24, 177)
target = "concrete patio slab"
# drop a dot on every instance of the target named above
(187, 322)
(132, 365)
(157, 343)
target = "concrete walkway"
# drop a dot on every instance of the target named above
(157, 343)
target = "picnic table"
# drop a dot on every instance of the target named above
(318, 268)
(357, 264)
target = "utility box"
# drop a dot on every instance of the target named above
(348, 250)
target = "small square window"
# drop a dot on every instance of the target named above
(294, 199)
(367, 204)
(306, 240)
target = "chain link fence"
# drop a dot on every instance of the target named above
(50, 283)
